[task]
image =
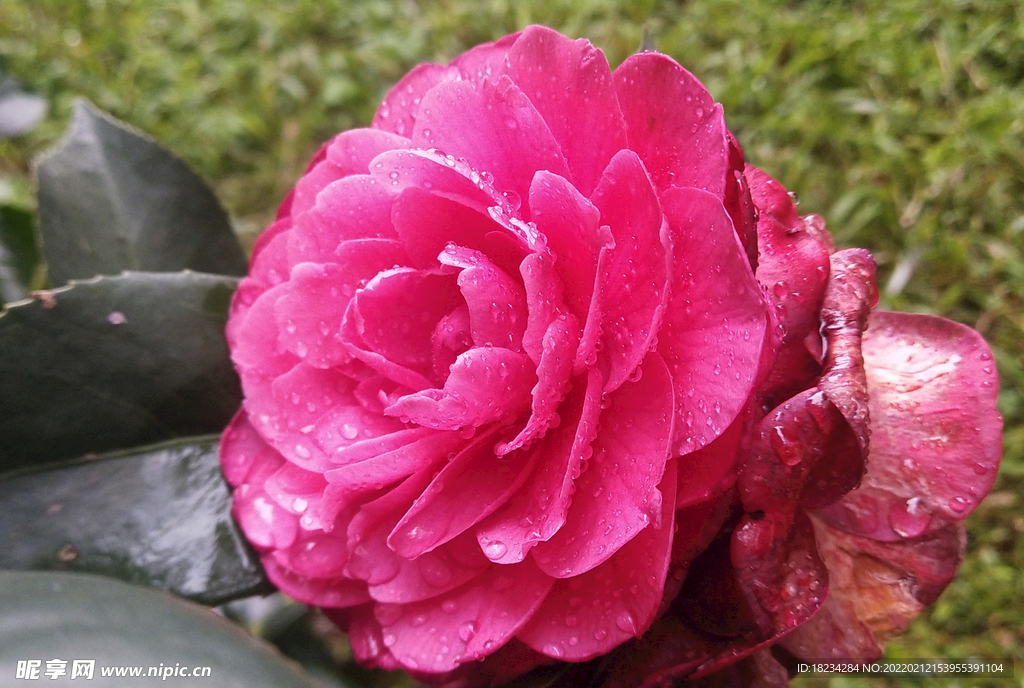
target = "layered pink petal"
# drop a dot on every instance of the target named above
(571, 225)
(241, 448)
(497, 303)
(936, 434)
(493, 126)
(391, 466)
(716, 322)
(396, 312)
(470, 622)
(570, 83)
(538, 509)
(309, 314)
(392, 578)
(553, 371)
(485, 61)
(469, 488)
(427, 223)
(352, 151)
(320, 592)
(635, 278)
(356, 207)
(588, 615)
(484, 385)
(617, 496)
(709, 471)
(673, 124)
(398, 111)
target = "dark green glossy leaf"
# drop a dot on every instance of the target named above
(111, 199)
(46, 616)
(160, 515)
(112, 363)
(18, 253)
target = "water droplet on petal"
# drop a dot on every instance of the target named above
(495, 550)
(467, 631)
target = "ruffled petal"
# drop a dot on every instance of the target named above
(617, 496)
(635, 278)
(493, 126)
(673, 124)
(793, 266)
(319, 592)
(871, 597)
(571, 225)
(538, 510)
(936, 434)
(398, 111)
(427, 223)
(484, 385)
(355, 207)
(588, 615)
(716, 322)
(309, 314)
(352, 151)
(497, 303)
(468, 623)
(469, 488)
(395, 314)
(570, 83)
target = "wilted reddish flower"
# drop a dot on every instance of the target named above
(535, 365)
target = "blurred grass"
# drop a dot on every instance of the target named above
(901, 122)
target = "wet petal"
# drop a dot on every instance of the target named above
(355, 207)
(538, 510)
(427, 223)
(493, 126)
(395, 314)
(553, 373)
(353, 150)
(571, 225)
(876, 589)
(319, 592)
(485, 385)
(469, 488)
(467, 623)
(634, 280)
(571, 86)
(716, 322)
(673, 124)
(793, 266)
(309, 314)
(588, 615)
(497, 303)
(398, 111)
(936, 433)
(387, 468)
(617, 496)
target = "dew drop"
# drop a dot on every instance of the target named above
(495, 550)
(626, 623)
(349, 431)
(552, 650)
(467, 631)
(958, 504)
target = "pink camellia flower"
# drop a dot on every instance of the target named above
(535, 366)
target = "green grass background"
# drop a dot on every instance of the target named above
(900, 121)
